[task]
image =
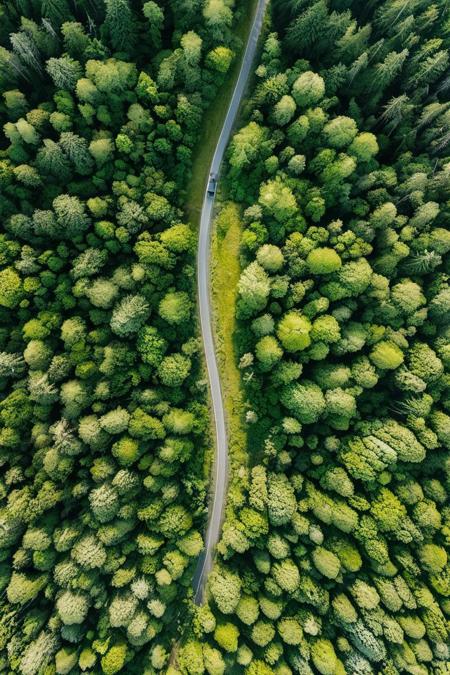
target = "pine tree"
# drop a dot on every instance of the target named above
(64, 72)
(155, 17)
(56, 11)
(119, 24)
(396, 111)
(385, 73)
(10, 67)
(27, 52)
(429, 71)
(75, 39)
(284, 11)
(51, 159)
(308, 28)
(76, 149)
(185, 12)
(391, 13)
(358, 66)
(353, 43)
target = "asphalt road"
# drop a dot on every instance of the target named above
(220, 470)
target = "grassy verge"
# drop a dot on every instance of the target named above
(225, 271)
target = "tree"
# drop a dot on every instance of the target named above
(76, 41)
(340, 132)
(144, 426)
(364, 146)
(175, 522)
(191, 657)
(254, 289)
(70, 215)
(151, 346)
(115, 421)
(268, 351)
(76, 149)
(114, 659)
(102, 293)
(119, 24)
(129, 315)
(326, 562)
(192, 48)
(246, 145)
(308, 89)
(293, 332)
(64, 71)
(270, 257)
(225, 587)
(39, 652)
(16, 103)
(218, 17)
(51, 159)
(155, 17)
(297, 164)
(277, 198)
(220, 59)
(72, 608)
(262, 633)
(284, 110)
(23, 589)
(290, 631)
(386, 355)
(174, 369)
(281, 500)
(305, 401)
(27, 132)
(226, 635)
(324, 657)
(247, 609)
(286, 575)
(386, 71)
(26, 51)
(175, 307)
(11, 289)
(323, 261)
(102, 150)
(37, 355)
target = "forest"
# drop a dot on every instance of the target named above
(103, 405)
(334, 555)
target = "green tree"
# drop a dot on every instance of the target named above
(308, 89)
(278, 199)
(11, 289)
(70, 215)
(254, 289)
(119, 24)
(175, 307)
(64, 71)
(129, 315)
(294, 331)
(155, 17)
(220, 59)
(174, 369)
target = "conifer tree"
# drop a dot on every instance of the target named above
(119, 24)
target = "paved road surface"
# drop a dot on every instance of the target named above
(220, 473)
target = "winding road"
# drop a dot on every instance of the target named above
(220, 471)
